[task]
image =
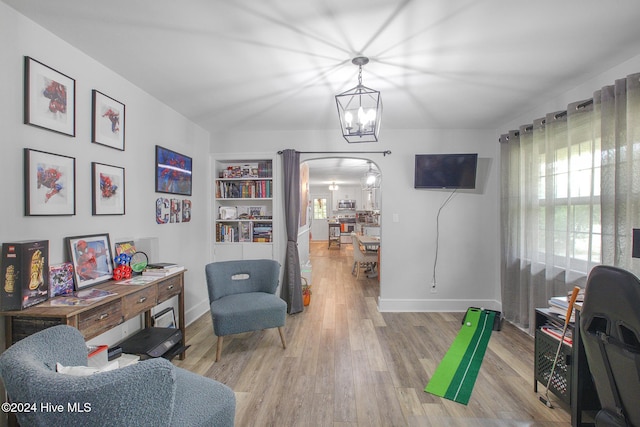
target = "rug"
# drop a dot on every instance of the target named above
(457, 372)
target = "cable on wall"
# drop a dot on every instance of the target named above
(435, 260)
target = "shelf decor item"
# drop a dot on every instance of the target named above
(49, 98)
(108, 125)
(107, 188)
(60, 279)
(49, 183)
(173, 172)
(91, 259)
(25, 274)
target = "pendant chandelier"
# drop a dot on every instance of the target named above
(360, 109)
(333, 187)
(371, 179)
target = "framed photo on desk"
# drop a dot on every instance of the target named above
(91, 258)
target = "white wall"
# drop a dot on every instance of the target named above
(468, 258)
(578, 93)
(148, 122)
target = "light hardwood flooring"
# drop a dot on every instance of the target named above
(346, 364)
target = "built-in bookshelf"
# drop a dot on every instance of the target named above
(243, 208)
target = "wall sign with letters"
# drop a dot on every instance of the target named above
(172, 210)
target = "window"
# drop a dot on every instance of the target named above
(569, 197)
(320, 208)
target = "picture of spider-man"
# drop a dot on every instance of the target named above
(57, 94)
(89, 265)
(173, 172)
(49, 177)
(114, 117)
(107, 187)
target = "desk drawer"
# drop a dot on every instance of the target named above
(22, 327)
(169, 288)
(100, 319)
(139, 302)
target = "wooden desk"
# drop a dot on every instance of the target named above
(101, 316)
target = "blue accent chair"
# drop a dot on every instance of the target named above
(153, 392)
(242, 298)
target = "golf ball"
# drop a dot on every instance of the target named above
(468, 323)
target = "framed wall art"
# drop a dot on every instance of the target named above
(107, 188)
(91, 259)
(49, 98)
(108, 121)
(173, 172)
(49, 183)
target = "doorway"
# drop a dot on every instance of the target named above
(339, 193)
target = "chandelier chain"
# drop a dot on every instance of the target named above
(360, 75)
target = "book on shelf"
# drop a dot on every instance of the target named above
(137, 280)
(161, 272)
(556, 333)
(560, 302)
(562, 312)
(161, 265)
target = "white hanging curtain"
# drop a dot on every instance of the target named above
(570, 197)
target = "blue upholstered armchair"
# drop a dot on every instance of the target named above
(149, 393)
(242, 298)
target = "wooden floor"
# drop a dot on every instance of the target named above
(346, 364)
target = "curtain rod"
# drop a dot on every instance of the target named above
(384, 153)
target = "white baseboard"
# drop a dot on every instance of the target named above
(195, 312)
(434, 305)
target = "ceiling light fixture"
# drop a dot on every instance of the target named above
(371, 179)
(333, 187)
(360, 109)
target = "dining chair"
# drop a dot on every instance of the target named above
(361, 259)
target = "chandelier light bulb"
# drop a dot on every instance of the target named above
(348, 118)
(362, 117)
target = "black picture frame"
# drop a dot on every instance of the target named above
(173, 172)
(107, 189)
(108, 124)
(49, 98)
(49, 183)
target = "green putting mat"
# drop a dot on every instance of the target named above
(457, 372)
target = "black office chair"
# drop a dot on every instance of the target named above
(610, 330)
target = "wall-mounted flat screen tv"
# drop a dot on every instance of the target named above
(446, 170)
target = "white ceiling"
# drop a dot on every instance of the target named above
(277, 64)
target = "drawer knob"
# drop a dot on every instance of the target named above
(102, 317)
(142, 299)
(170, 287)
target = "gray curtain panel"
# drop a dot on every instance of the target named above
(570, 197)
(292, 281)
